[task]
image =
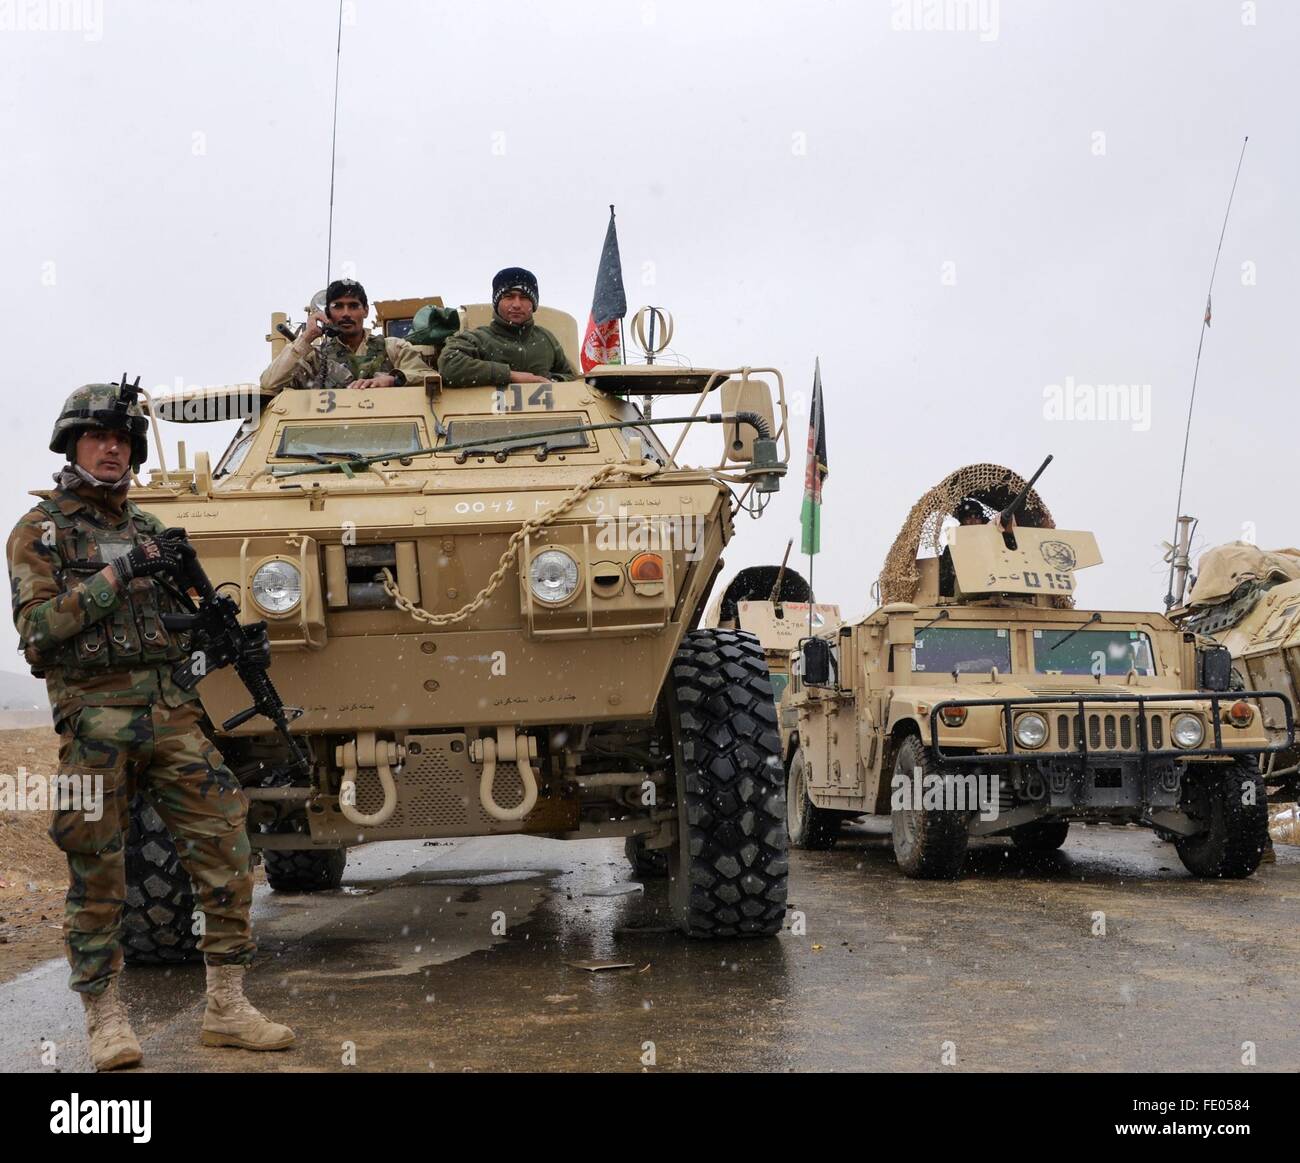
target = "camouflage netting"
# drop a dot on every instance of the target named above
(992, 485)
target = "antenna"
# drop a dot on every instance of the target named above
(1196, 371)
(334, 136)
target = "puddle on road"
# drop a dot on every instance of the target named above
(410, 927)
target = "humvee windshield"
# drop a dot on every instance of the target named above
(365, 438)
(1098, 652)
(943, 649)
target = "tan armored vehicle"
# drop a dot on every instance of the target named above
(977, 701)
(1248, 600)
(487, 603)
(771, 603)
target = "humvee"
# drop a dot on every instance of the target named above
(772, 603)
(987, 705)
(485, 604)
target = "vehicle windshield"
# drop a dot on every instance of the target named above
(492, 432)
(359, 438)
(943, 649)
(1095, 652)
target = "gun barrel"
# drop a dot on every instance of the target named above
(1012, 509)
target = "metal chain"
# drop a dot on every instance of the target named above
(507, 558)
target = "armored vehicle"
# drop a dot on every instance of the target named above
(486, 605)
(978, 701)
(772, 603)
(1248, 600)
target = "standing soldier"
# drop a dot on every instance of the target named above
(89, 574)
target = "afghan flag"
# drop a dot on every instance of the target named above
(816, 472)
(608, 305)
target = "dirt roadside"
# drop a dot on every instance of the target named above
(33, 874)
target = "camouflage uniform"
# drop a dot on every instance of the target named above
(106, 659)
(300, 366)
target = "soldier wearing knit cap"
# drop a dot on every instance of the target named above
(512, 349)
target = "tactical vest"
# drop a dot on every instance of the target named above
(133, 635)
(341, 366)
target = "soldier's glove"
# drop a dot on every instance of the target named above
(151, 557)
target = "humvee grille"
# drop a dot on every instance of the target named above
(1117, 732)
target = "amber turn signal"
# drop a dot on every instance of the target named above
(953, 716)
(1241, 713)
(646, 567)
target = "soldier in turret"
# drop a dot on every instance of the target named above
(348, 356)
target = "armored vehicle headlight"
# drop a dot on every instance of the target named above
(1031, 730)
(1188, 731)
(553, 576)
(277, 586)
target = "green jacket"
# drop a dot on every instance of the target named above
(487, 355)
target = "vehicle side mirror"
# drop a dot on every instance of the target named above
(1214, 668)
(815, 662)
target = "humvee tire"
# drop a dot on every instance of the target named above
(728, 867)
(304, 870)
(158, 916)
(647, 862)
(1231, 847)
(1043, 836)
(928, 845)
(809, 826)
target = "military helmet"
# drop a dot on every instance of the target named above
(969, 507)
(114, 406)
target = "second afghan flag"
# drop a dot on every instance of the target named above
(816, 472)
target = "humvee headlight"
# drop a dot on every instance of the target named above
(1031, 730)
(553, 576)
(1188, 731)
(277, 586)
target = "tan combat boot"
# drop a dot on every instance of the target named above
(232, 1020)
(112, 1041)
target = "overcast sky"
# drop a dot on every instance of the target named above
(954, 219)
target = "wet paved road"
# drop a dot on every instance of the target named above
(403, 965)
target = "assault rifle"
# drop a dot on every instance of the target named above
(220, 639)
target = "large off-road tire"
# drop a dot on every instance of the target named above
(651, 863)
(1042, 836)
(305, 869)
(728, 867)
(928, 844)
(809, 826)
(158, 918)
(1232, 803)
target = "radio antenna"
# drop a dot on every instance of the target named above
(334, 136)
(1170, 596)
